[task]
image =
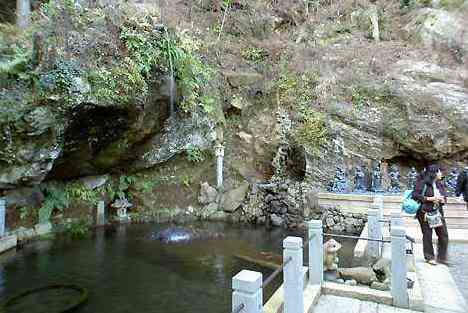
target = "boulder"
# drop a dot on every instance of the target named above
(438, 28)
(234, 198)
(93, 182)
(362, 275)
(276, 220)
(208, 194)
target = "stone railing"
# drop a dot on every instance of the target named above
(247, 296)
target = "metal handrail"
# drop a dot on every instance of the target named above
(356, 237)
(273, 275)
(239, 308)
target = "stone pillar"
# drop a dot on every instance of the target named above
(374, 232)
(396, 219)
(315, 252)
(100, 214)
(293, 278)
(219, 152)
(2, 216)
(23, 13)
(247, 291)
(399, 268)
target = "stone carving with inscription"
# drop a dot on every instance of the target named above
(340, 184)
(412, 178)
(376, 179)
(394, 179)
(359, 180)
(451, 181)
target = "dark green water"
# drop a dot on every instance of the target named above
(126, 272)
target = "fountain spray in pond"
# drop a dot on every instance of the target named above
(183, 235)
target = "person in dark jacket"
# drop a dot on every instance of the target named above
(462, 185)
(433, 199)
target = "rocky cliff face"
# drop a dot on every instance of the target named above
(303, 90)
(87, 91)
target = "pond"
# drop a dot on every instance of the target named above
(125, 271)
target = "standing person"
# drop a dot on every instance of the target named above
(462, 185)
(430, 192)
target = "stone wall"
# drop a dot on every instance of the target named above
(336, 221)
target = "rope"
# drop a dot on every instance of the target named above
(276, 272)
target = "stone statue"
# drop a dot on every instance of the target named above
(412, 178)
(330, 255)
(394, 179)
(340, 185)
(359, 180)
(451, 181)
(376, 179)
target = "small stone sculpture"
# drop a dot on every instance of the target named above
(359, 180)
(376, 179)
(412, 178)
(330, 255)
(122, 204)
(340, 185)
(451, 181)
(394, 179)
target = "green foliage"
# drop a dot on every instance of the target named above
(56, 198)
(59, 197)
(253, 54)
(313, 131)
(296, 90)
(15, 53)
(195, 154)
(187, 180)
(122, 84)
(78, 229)
(24, 213)
(364, 96)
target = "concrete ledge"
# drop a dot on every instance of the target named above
(357, 292)
(361, 245)
(416, 300)
(8, 242)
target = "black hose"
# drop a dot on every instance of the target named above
(83, 297)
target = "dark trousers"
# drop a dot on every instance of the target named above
(442, 239)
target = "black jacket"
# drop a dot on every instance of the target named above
(462, 185)
(427, 206)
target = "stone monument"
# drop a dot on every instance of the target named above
(412, 178)
(340, 184)
(122, 204)
(451, 181)
(376, 178)
(359, 180)
(394, 179)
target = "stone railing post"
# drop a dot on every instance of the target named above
(2, 216)
(374, 232)
(399, 268)
(247, 292)
(293, 277)
(100, 214)
(396, 219)
(315, 252)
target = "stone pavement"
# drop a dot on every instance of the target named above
(334, 304)
(440, 293)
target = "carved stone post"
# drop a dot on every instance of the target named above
(23, 13)
(219, 152)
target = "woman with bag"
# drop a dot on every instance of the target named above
(430, 192)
